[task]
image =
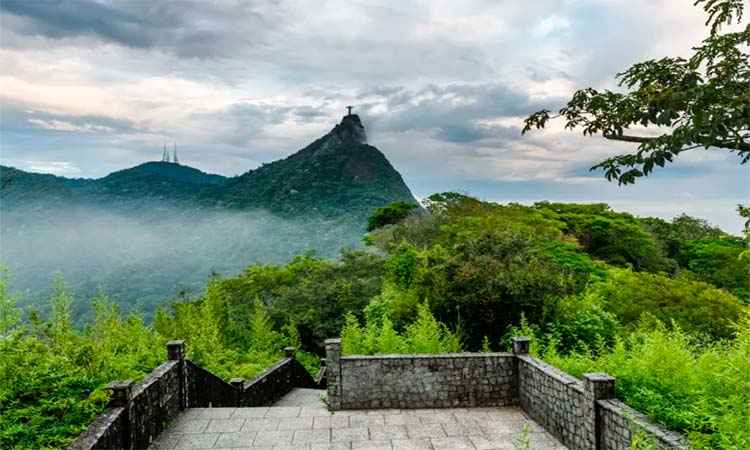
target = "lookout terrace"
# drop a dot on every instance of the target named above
(447, 401)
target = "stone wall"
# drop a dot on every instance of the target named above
(137, 413)
(582, 414)
(276, 382)
(106, 432)
(618, 422)
(207, 390)
(552, 398)
(425, 381)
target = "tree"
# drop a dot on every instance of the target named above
(700, 102)
(390, 214)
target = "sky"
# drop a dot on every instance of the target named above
(89, 87)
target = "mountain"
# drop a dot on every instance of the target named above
(144, 233)
(337, 174)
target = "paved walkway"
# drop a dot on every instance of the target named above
(301, 421)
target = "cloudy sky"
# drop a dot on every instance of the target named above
(88, 87)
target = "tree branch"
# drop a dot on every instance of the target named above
(626, 138)
(740, 146)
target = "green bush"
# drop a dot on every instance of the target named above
(718, 262)
(390, 214)
(424, 335)
(582, 321)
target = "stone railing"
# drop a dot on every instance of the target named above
(582, 414)
(275, 382)
(137, 413)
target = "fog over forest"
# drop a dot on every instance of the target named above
(141, 260)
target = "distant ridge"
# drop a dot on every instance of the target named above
(339, 174)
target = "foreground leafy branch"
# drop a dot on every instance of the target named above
(700, 102)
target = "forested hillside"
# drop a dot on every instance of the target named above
(641, 298)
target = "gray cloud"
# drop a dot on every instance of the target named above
(97, 85)
(186, 28)
(458, 113)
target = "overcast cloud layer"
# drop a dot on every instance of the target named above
(88, 87)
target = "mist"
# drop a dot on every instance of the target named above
(142, 259)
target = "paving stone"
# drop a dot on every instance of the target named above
(310, 436)
(295, 423)
(273, 437)
(440, 417)
(411, 444)
(213, 413)
(250, 412)
(402, 419)
(239, 439)
(331, 422)
(425, 431)
(224, 425)
(331, 446)
(366, 420)
(499, 442)
(383, 433)
(190, 426)
(283, 411)
(350, 435)
(265, 428)
(371, 445)
(309, 411)
(197, 441)
(452, 443)
(261, 424)
(462, 429)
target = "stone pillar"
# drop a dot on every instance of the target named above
(122, 393)
(289, 352)
(596, 386)
(239, 384)
(176, 352)
(521, 345)
(333, 372)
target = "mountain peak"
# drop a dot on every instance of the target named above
(338, 174)
(350, 130)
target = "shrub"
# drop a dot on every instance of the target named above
(390, 214)
(424, 335)
(582, 320)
